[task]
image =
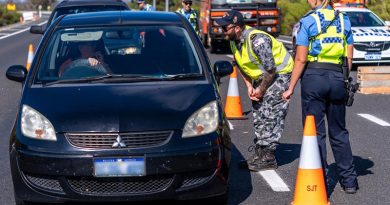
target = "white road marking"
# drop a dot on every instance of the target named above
(375, 119)
(274, 181)
(284, 41)
(20, 31)
(230, 125)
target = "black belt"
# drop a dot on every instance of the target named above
(326, 66)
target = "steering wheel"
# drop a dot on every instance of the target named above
(81, 68)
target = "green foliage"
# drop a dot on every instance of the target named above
(381, 8)
(8, 17)
(292, 11)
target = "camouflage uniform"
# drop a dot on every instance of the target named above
(270, 113)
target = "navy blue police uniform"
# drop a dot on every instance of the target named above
(322, 85)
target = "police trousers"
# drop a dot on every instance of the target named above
(322, 95)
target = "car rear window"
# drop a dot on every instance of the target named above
(84, 9)
(135, 50)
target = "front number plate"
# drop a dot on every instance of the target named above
(118, 167)
(373, 56)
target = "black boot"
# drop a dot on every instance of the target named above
(267, 161)
(255, 156)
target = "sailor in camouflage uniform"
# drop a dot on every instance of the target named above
(266, 68)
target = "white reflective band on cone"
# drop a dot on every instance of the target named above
(310, 154)
(233, 89)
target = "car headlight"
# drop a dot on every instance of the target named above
(36, 126)
(203, 121)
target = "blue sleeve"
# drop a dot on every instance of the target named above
(307, 28)
(348, 30)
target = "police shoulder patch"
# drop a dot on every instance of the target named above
(258, 42)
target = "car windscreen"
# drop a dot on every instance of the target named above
(84, 9)
(364, 19)
(148, 52)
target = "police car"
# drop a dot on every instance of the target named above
(371, 36)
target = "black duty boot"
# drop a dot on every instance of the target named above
(255, 156)
(267, 161)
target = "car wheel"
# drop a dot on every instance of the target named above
(213, 46)
(219, 200)
(21, 202)
(204, 40)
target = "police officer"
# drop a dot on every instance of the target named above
(190, 14)
(265, 66)
(143, 6)
(323, 40)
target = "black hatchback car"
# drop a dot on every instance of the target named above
(120, 106)
(80, 6)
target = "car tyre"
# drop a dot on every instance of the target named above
(21, 202)
(213, 46)
(205, 40)
(219, 200)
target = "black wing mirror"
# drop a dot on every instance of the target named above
(37, 30)
(222, 68)
(16, 73)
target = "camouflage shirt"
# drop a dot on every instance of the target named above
(262, 47)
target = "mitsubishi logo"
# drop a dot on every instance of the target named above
(118, 143)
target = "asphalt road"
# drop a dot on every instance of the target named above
(369, 141)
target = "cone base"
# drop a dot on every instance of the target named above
(310, 188)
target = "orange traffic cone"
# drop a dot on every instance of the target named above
(30, 56)
(310, 184)
(233, 108)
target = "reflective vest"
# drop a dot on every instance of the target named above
(193, 18)
(148, 7)
(250, 64)
(330, 45)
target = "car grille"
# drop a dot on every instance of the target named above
(129, 140)
(120, 186)
(372, 46)
(46, 183)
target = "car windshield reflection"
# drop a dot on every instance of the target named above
(93, 54)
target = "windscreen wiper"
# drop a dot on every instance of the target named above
(105, 78)
(182, 76)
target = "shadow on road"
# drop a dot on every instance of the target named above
(362, 168)
(287, 153)
(240, 187)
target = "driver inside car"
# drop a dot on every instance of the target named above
(89, 56)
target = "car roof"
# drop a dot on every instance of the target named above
(116, 18)
(71, 3)
(351, 9)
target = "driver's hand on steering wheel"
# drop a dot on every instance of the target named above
(93, 61)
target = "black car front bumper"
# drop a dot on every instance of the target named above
(42, 177)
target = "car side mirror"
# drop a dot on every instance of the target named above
(16, 73)
(222, 68)
(36, 30)
(387, 23)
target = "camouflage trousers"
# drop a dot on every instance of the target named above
(270, 113)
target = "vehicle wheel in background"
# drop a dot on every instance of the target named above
(214, 46)
(205, 40)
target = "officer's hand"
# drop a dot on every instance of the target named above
(287, 94)
(257, 95)
(251, 93)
